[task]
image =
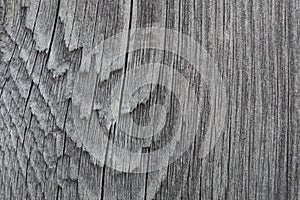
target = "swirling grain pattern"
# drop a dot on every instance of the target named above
(255, 45)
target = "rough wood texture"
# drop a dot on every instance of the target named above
(255, 44)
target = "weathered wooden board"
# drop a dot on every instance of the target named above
(254, 45)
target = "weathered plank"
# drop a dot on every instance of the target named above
(253, 44)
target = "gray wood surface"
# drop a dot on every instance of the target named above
(253, 43)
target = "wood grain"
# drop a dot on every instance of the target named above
(255, 46)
